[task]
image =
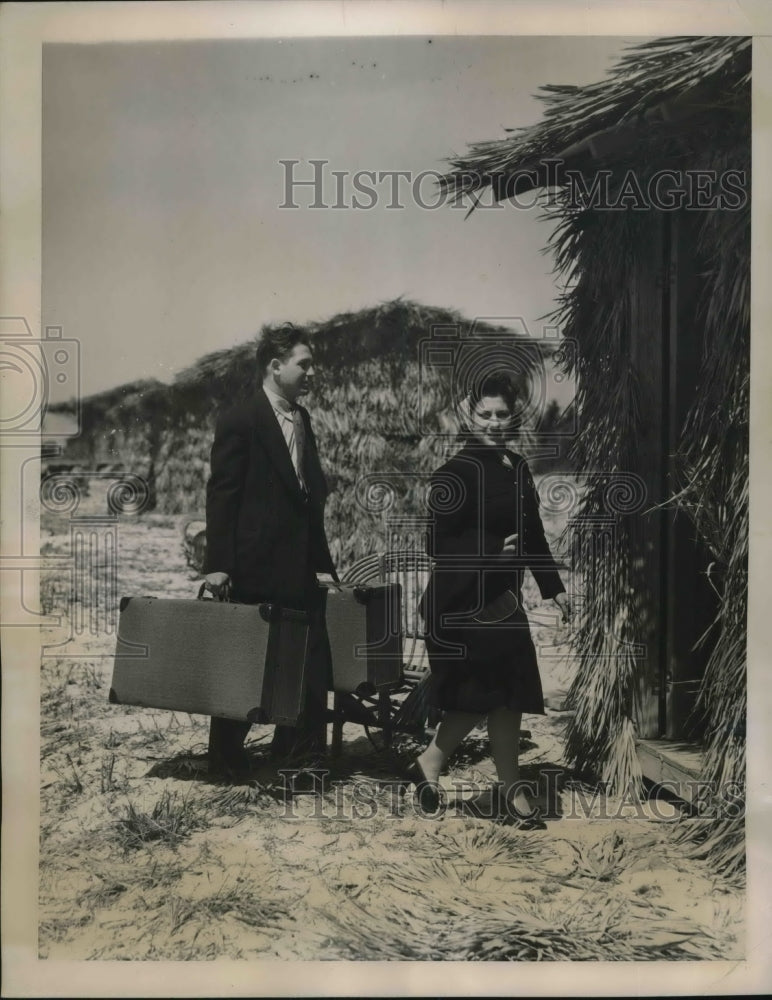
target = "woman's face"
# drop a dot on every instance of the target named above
(491, 420)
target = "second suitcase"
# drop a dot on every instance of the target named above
(236, 661)
(364, 626)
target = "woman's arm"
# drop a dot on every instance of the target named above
(535, 546)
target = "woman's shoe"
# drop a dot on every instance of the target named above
(427, 793)
(523, 823)
(510, 815)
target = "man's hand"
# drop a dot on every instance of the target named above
(510, 547)
(218, 584)
(509, 543)
(564, 603)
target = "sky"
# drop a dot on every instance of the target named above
(163, 235)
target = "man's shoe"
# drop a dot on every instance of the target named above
(290, 743)
(234, 767)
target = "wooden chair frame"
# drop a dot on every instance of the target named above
(410, 568)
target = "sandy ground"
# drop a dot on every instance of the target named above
(143, 857)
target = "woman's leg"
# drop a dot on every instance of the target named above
(504, 735)
(453, 728)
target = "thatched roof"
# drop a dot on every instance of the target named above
(376, 409)
(372, 354)
(390, 330)
(663, 84)
(142, 394)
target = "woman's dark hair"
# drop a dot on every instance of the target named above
(497, 384)
(278, 342)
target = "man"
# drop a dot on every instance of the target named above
(265, 527)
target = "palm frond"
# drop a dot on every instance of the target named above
(695, 73)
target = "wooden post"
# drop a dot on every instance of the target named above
(648, 353)
(691, 602)
(337, 727)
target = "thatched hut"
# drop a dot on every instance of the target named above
(646, 177)
(379, 410)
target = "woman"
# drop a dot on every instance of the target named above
(486, 531)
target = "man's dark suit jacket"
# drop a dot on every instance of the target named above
(260, 527)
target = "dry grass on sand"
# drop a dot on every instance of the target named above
(143, 858)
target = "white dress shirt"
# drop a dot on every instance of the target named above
(287, 415)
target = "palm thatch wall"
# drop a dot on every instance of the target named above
(376, 412)
(683, 104)
(119, 430)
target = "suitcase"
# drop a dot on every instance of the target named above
(206, 657)
(364, 626)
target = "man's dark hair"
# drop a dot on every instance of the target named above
(496, 384)
(278, 342)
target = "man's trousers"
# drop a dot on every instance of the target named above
(226, 736)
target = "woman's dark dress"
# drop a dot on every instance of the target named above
(476, 501)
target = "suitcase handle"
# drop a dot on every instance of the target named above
(362, 593)
(278, 613)
(223, 597)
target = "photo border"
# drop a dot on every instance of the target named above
(23, 29)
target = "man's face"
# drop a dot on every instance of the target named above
(292, 376)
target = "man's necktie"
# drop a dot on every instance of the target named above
(299, 441)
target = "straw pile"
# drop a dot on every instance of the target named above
(182, 462)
